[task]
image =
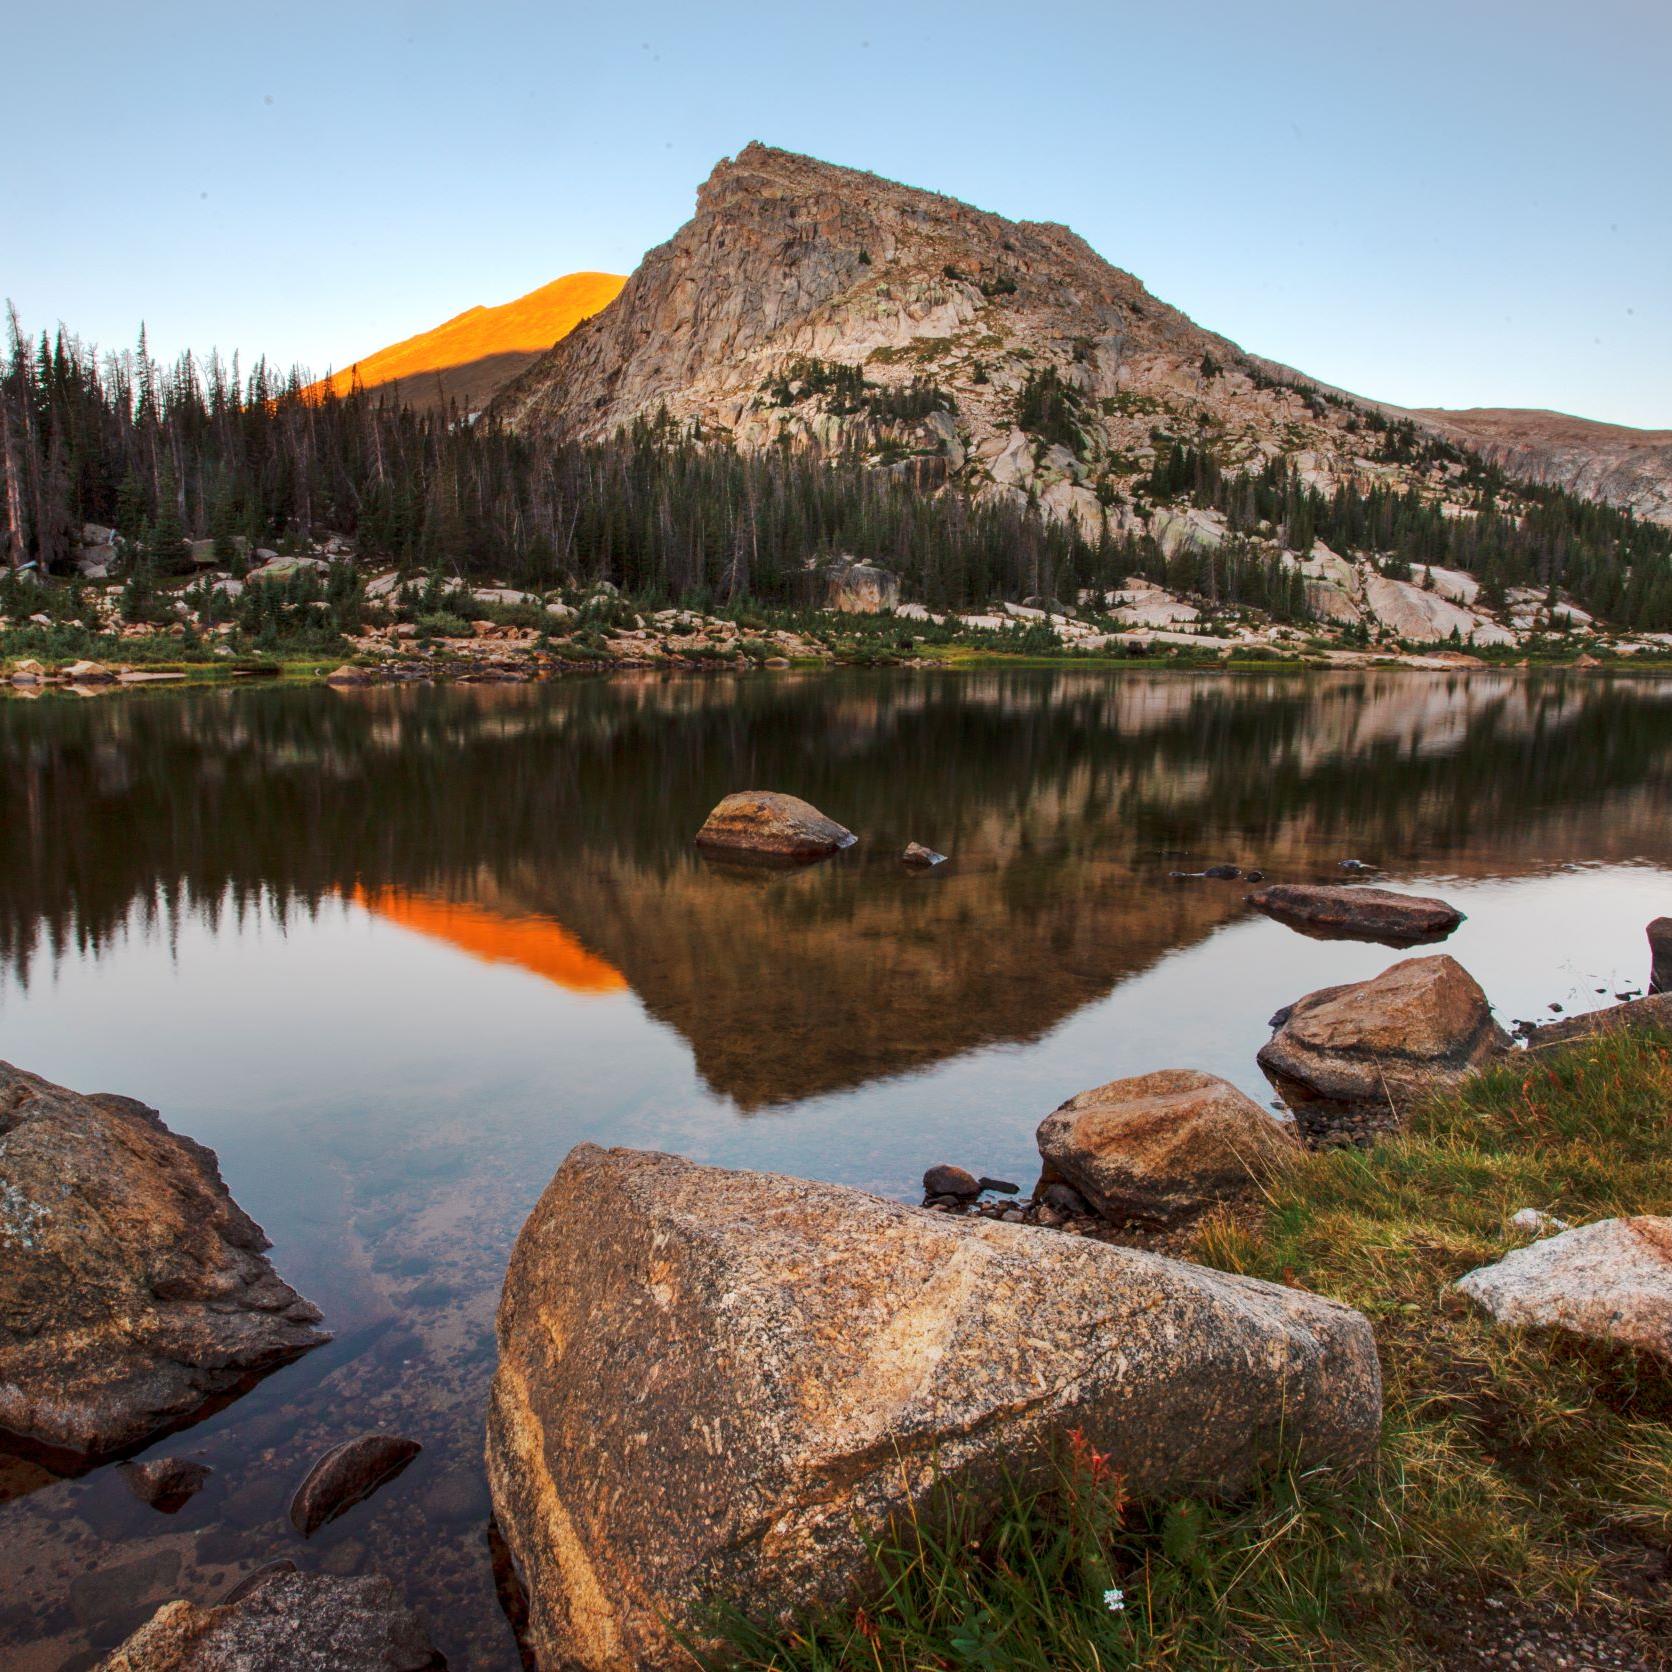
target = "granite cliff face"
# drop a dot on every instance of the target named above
(1625, 467)
(823, 308)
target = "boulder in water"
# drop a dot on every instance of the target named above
(133, 1288)
(777, 826)
(301, 1622)
(1352, 1060)
(1376, 914)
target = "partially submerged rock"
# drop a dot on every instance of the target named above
(293, 1622)
(132, 1287)
(779, 826)
(1161, 1148)
(348, 675)
(89, 673)
(346, 1475)
(924, 858)
(1654, 1011)
(1358, 913)
(716, 1385)
(944, 1179)
(1609, 1282)
(1353, 1059)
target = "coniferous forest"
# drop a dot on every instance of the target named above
(200, 450)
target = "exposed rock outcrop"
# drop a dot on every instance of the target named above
(1376, 914)
(1350, 1060)
(713, 1385)
(1609, 1282)
(1611, 462)
(293, 1622)
(855, 588)
(777, 826)
(132, 1287)
(1158, 1149)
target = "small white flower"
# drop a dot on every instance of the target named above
(1114, 1599)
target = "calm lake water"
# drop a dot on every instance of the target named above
(392, 952)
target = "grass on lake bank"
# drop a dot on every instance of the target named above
(1521, 1480)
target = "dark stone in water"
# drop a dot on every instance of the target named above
(1003, 1186)
(347, 1474)
(1222, 873)
(921, 857)
(947, 1180)
(1372, 914)
(165, 1483)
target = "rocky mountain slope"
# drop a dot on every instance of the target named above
(466, 360)
(1626, 467)
(822, 309)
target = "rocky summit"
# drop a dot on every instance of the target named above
(716, 1386)
(132, 1287)
(826, 309)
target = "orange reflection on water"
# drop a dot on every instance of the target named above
(536, 944)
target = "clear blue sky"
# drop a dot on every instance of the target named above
(1458, 203)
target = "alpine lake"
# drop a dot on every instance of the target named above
(392, 952)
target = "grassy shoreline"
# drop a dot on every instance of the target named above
(1523, 1492)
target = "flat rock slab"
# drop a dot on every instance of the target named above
(1610, 1282)
(1161, 1148)
(715, 1385)
(347, 1474)
(133, 1289)
(1376, 914)
(1352, 1060)
(775, 826)
(294, 1622)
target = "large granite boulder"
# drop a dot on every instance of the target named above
(132, 1287)
(1160, 1148)
(1351, 1060)
(855, 588)
(715, 1385)
(1609, 1282)
(293, 1622)
(776, 826)
(1337, 913)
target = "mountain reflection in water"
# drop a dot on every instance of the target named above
(391, 952)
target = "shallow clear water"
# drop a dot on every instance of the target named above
(392, 952)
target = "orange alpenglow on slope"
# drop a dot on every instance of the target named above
(535, 944)
(466, 360)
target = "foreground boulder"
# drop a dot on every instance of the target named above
(1159, 1149)
(1357, 913)
(715, 1385)
(1352, 1060)
(779, 826)
(132, 1287)
(1609, 1282)
(292, 1622)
